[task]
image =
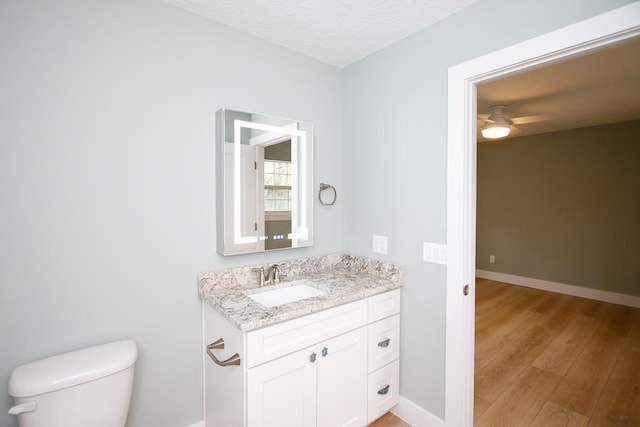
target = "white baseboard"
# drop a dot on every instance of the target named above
(415, 415)
(198, 424)
(561, 288)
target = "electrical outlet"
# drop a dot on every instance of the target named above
(492, 259)
(380, 244)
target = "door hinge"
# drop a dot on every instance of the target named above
(465, 290)
(255, 165)
(255, 226)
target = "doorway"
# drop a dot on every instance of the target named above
(602, 30)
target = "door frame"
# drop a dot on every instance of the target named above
(602, 30)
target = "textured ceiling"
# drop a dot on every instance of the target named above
(598, 88)
(336, 32)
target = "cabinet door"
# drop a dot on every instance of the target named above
(342, 380)
(282, 393)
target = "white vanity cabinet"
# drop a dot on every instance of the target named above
(336, 367)
(321, 385)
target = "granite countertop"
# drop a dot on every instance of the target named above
(343, 278)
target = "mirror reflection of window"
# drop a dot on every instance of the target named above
(277, 186)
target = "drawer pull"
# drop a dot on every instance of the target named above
(218, 345)
(384, 390)
(384, 343)
(312, 358)
(325, 351)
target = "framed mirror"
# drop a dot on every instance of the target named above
(264, 180)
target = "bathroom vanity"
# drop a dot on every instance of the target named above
(324, 360)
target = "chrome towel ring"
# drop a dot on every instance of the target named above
(326, 202)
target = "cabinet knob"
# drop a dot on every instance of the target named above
(384, 390)
(312, 358)
(384, 343)
(325, 351)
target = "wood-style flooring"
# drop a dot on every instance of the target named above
(389, 420)
(545, 359)
(548, 359)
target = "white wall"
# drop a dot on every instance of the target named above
(107, 180)
(395, 141)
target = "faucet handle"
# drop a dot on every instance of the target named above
(261, 270)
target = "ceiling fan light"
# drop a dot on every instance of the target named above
(495, 131)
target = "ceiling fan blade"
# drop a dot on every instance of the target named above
(531, 119)
(514, 131)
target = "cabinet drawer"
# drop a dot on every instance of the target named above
(384, 305)
(383, 342)
(382, 391)
(283, 338)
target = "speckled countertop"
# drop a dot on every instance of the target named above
(343, 278)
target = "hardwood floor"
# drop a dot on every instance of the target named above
(549, 360)
(546, 359)
(389, 420)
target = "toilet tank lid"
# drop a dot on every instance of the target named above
(73, 368)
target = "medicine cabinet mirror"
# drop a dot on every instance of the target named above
(264, 170)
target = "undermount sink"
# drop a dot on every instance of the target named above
(285, 295)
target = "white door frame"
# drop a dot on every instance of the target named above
(607, 28)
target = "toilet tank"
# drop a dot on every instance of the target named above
(88, 387)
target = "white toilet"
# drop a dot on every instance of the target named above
(84, 388)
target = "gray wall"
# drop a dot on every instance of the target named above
(107, 180)
(280, 151)
(563, 207)
(395, 141)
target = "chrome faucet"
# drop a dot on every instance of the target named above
(271, 276)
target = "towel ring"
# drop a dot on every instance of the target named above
(323, 187)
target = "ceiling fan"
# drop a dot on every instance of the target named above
(497, 125)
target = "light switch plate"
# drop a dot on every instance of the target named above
(435, 252)
(380, 244)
